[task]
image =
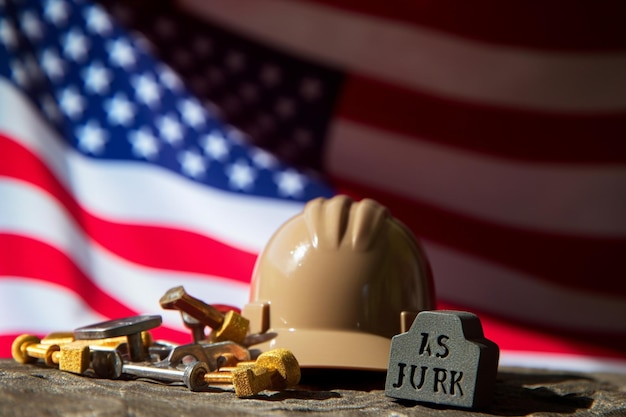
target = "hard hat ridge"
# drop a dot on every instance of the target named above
(340, 221)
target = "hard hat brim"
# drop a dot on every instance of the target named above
(315, 348)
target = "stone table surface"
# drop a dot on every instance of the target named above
(35, 390)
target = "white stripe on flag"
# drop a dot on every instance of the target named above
(487, 287)
(50, 317)
(26, 292)
(148, 195)
(143, 287)
(34, 214)
(428, 60)
(582, 199)
(138, 287)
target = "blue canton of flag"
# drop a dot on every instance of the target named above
(107, 95)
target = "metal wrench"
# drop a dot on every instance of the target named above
(108, 363)
(208, 353)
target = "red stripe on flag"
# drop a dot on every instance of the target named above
(511, 336)
(31, 258)
(584, 263)
(5, 344)
(172, 249)
(510, 133)
(554, 25)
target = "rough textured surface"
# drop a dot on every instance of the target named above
(35, 390)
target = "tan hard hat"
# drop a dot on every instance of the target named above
(333, 281)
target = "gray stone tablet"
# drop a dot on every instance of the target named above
(444, 358)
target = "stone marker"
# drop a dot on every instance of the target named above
(444, 358)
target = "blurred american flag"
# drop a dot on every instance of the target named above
(144, 146)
